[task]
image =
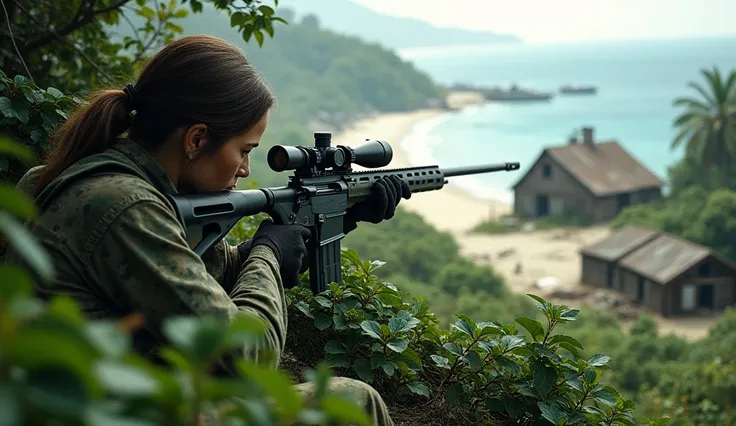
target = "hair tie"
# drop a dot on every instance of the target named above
(132, 94)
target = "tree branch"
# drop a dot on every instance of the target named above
(63, 40)
(80, 20)
(10, 34)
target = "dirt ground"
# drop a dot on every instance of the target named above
(524, 258)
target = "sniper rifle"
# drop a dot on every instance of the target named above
(317, 196)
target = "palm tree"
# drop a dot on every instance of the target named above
(708, 125)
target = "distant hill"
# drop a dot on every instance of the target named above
(352, 18)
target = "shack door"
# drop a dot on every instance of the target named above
(688, 297)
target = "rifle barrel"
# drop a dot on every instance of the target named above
(472, 170)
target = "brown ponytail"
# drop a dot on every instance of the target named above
(90, 129)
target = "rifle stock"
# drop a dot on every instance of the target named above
(317, 196)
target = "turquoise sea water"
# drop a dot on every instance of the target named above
(637, 82)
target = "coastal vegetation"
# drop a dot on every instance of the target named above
(442, 338)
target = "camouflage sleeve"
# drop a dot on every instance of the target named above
(224, 263)
(146, 265)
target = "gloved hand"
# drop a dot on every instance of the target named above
(387, 193)
(288, 244)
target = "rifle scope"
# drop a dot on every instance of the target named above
(371, 154)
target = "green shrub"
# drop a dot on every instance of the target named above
(29, 114)
(484, 372)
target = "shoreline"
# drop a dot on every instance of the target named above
(453, 208)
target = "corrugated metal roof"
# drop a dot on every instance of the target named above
(605, 168)
(620, 243)
(664, 258)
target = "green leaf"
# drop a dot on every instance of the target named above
(398, 345)
(363, 368)
(560, 338)
(389, 368)
(181, 331)
(108, 338)
(23, 242)
(276, 385)
(125, 380)
(237, 19)
(549, 412)
(570, 314)
(209, 339)
(411, 358)
(378, 359)
(598, 360)
(454, 394)
(334, 347)
(418, 388)
(402, 323)
(604, 397)
(440, 361)
(323, 301)
(322, 321)
(266, 10)
(15, 282)
(453, 348)
(372, 329)
(259, 37)
(534, 327)
(590, 375)
(146, 12)
(545, 377)
(473, 360)
(465, 328)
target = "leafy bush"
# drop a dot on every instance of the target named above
(483, 372)
(29, 115)
(56, 368)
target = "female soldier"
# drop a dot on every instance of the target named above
(116, 244)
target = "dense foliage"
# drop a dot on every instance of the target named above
(69, 45)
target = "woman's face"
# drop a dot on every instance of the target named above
(219, 170)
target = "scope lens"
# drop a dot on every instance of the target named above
(279, 159)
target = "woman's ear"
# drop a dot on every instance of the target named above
(195, 139)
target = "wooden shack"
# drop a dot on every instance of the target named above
(667, 274)
(588, 178)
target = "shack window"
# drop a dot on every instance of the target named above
(704, 269)
(546, 171)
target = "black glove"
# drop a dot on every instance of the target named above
(387, 193)
(288, 244)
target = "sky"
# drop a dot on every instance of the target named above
(552, 21)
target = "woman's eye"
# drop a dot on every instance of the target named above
(244, 153)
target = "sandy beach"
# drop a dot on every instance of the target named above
(522, 258)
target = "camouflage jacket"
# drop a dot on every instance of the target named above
(118, 248)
